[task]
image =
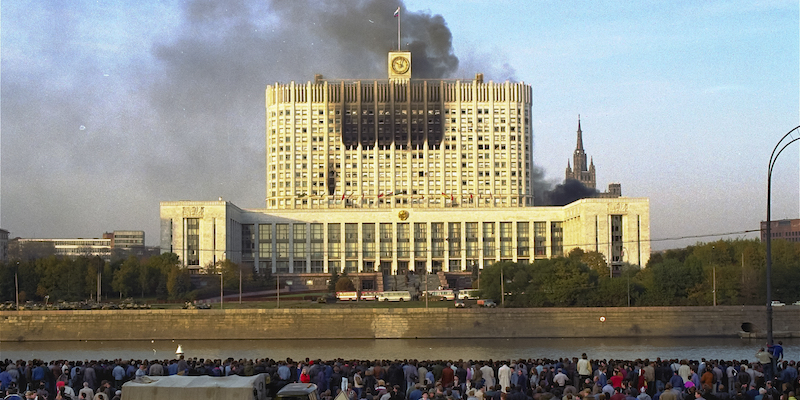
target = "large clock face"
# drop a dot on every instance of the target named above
(400, 65)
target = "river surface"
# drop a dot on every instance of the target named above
(423, 349)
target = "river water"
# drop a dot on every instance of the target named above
(423, 349)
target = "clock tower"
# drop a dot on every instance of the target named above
(399, 66)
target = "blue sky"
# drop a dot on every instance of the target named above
(108, 107)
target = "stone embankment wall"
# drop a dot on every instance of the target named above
(394, 323)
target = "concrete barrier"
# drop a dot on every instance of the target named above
(393, 323)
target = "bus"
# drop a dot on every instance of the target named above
(368, 295)
(347, 296)
(446, 294)
(399, 295)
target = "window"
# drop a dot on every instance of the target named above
(299, 233)
(368, 240)
(617, 252)
(282, 232)
(523, 239)
(540, 239)
(472, 239)
(403, 237)
(192, 241)
(334, 240)
(488, 239)
(506, 240)
(351, 240)
(556, 239)
(420, 240)
(454, 240)
(265, 233)
(386, 240)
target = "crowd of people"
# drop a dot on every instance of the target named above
(524, 379)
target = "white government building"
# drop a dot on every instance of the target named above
(390, 177)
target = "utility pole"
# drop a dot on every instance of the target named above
(99, 284)
(714, 271)
(426, 289)
(502, 288)
(16, 286)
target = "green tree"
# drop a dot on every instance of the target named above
(230, 273)
(333, 280)
(344, 284)
(178, 282)
(94, 264)
(785, 270)
(126, 278)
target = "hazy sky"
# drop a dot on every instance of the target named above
(108, 107)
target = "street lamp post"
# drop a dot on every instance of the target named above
(773, 157)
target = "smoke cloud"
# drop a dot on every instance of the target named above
(98, 127)
(104, 124)
(561, 194)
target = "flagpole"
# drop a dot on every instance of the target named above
(398, 32)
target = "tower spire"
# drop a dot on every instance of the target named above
(580, 135)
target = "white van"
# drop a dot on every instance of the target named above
(468, 294)
(399, 295)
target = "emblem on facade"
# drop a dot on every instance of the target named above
(193, 212)
(617, 208)
(403, 215)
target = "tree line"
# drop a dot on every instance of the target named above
(677, 277)
(75, 279)
(680, 277)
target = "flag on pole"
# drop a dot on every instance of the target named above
(397, 12)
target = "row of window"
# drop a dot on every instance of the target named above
(301, 240)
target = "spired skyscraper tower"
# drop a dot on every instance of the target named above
(398, 177)
(581, 173)
(584, 173)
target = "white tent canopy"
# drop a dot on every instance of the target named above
(177, 387)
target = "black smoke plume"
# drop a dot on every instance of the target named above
(94, 141)
(562, 194)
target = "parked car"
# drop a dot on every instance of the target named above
(776, 303)
(460, 303)
(487, 303)
(796, 303)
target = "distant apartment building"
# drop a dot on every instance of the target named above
(3, 245)
(125, 239)
(117, 242)
(76, 247)
(786, 229)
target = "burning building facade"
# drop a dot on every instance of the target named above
(399, 176)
